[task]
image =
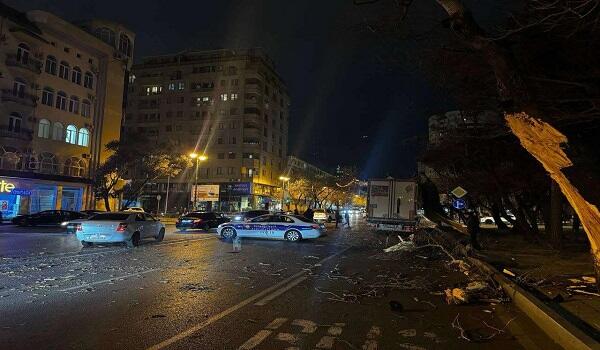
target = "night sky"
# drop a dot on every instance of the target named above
(350, 104)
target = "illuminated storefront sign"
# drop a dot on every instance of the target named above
(6, 187)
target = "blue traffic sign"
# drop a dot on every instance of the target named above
(459, 204)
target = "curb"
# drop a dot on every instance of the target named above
(555, 326)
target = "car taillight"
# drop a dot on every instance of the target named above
(122, 227)
(197, 221)
(79, 227)
(316, 227)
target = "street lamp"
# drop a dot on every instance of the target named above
(283, 180)
(199, 158)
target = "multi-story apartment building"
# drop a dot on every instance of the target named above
(231, 106)
(61, 93)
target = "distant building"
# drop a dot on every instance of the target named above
(61, 90)
(230, 105)
(297, 167)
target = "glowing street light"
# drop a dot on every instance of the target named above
(198, 158)
(283, 179)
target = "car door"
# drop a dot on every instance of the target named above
(278, 225)
(257, 227)
(139, 224)
(150, 225)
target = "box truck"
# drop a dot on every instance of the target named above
(392, 204)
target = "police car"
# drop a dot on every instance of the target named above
(292, 228)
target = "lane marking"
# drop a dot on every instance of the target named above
(276, 323)
(107, 280)
(234, 308)
(336, 329)
(277, 293)
(255, 340)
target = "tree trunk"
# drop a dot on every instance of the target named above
(555, 230)
(497, 217)
(540, 139)
(106, 202)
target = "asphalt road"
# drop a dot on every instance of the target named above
(192, 292)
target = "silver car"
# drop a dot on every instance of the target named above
(115, 227)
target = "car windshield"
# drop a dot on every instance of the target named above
(110, 217)
(302, 218)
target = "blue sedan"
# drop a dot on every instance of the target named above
(292, 228)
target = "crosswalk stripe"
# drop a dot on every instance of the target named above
(307, 326)
(371, 342)
(276, 323)
(326, 342)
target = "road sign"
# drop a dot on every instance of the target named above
(459, 204)
(459, 192)
(158, 197)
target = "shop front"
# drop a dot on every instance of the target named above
(235, 196)
(25, 196)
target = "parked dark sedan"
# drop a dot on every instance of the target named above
(200, 220)
(48, 217)
(250, 214)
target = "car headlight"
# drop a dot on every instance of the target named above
(64, 223)
(237, 218)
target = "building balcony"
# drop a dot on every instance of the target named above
(20, 134)
(8, 95)
(253, 88)
(252, 133)
(30, 63)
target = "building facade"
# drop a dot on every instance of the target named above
(229, 105)
(61, 93)
(299, 167)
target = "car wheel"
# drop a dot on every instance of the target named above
(87, 244)
(161, 235)
(228, 233)
(134, 241)
(489, 221)
(293, 236)
(206, 227)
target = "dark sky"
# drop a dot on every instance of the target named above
(349, 106)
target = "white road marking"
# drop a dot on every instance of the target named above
(288, 337)
(336, 329)
(220, 315)
(255, 340)
(277, 293)
(411, 332)
(308, 326)
(276, 323)
(326, 342)
(107, 280)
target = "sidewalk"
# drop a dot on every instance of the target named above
(562, 280)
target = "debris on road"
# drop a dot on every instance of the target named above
(196, 287)
(456, 296)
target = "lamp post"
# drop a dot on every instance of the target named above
(283, 181)
(198, 158)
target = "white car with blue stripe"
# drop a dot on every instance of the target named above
(292, 228)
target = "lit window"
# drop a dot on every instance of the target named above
(153, 90)
(180, 86)
(224, 97)
(171, 86)
(44, 129)
(84, 137)
(233, 97)
(205, 99)
(71, 135)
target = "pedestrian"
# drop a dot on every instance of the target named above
(347, 217)
(337, 217)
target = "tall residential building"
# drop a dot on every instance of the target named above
(297, 167)
(61, 92)
(230, 105)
